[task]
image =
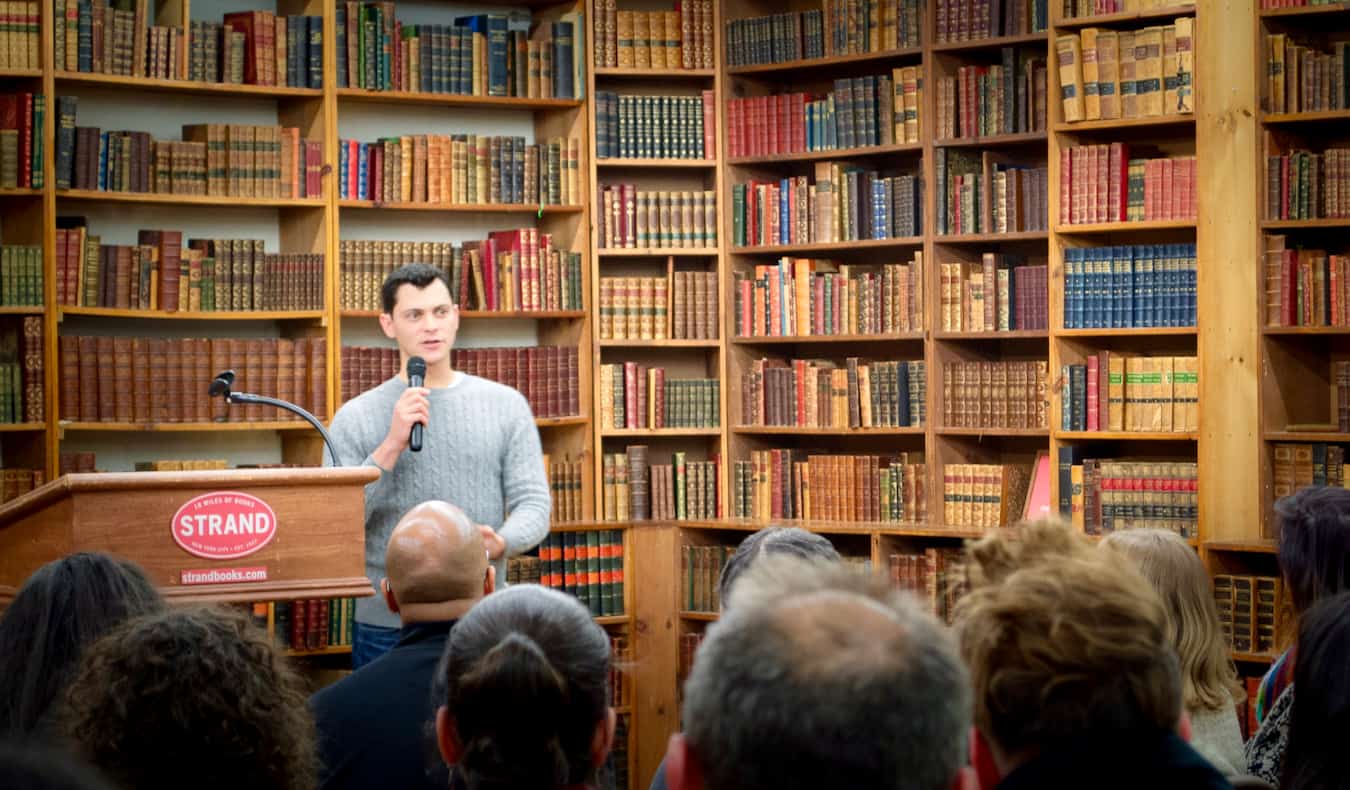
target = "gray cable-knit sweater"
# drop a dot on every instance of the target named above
(480, 451)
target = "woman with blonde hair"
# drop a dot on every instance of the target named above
(1210, 680)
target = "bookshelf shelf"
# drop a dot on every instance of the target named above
(659, 252)
(487, 314)
(993, 238)
(22, 427)
(64, 78)
(11, 74)
(455, 100)
(833, 153)
(22, 311)
(1305, 11)
(584, 526)
(1151, 15)
(639, 433)
(703, 617)
(655, 74)
(155, 198)
(187, 315)
(1147, 331)
(795, 339)
(1159, 121)
(1041, 433)
(612, 619)
(1306, 436)
(20, 193)
(824, 64)
(1276, 331)
(182, 427)
(666, 343)
(1016, 334)
(1126, 227)
(560, 422)
(1127, 436)
(339, 650)
(1254, 658)
(460, 208)
(833, 246)
(1303, 224)
(950, 47)
(888, 528)
(792, 430)
(1243, 546)
(993, 140)
(1273, 119)
(658, 164)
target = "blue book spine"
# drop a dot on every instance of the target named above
(902, 393)
(1151, 288)
(363, 172)
(1191, 273)
(343, 171)
(784, 218)
(103, 161)
(1066, 402)
(878, 208)
(1070, 288)
(1127, 312)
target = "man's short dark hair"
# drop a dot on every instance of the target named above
(196, 696)
(773, 541)
(819, 676)
(418, 275)
(1314, 548)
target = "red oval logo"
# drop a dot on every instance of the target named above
(224, 525)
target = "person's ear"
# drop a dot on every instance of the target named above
(1184, 726)
(682, 769)
(387, 324)
(490, 580)
(987, 773)
(447, 737)
(389, 599)
(603, 739)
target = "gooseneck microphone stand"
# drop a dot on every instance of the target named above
(221, 387)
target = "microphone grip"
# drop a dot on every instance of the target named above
(415, 437)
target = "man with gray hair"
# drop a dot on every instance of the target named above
(818, 676)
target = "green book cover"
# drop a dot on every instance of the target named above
(592, 589)
(680, 493)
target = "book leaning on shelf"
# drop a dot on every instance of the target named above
(800, 296)
(1249, 611)
(634, 396)
(1305, 76)
(1107, 74)
(989, 192)
(629, 218)
(460, 169)
(21, 118)
(1305, 287)
(795, 483)
(824, 394)
(984, 496)
(587, 565)
(843, 203)
(678, 39)
(997, 394)
(1116, 391)
(1008, 97)
(484, 55)
(997, 294)
(163, 380)
(973, 20)
(839, 27)
(633, 489)
(655, 126)
(565, 486)
(681, 307)
(1144, 285)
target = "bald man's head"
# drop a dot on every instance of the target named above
(436, 554)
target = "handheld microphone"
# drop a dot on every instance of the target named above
(417, 372)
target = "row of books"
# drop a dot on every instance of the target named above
(701, 570)
(1308, 185)
(1142, 285)
(804, 296)
(1300, 77)
(460, 169)
(1008, 97)
(484, 55)
(840, 27)
(973, 20)
(860, 112)
(564, 485)
(997, 394)
(629, 218)
(1114, 391)
(212, 159)
(21, 275)
(984, 192)
(159, 273)
(984, 496)
(842, 204)
(1107, 74)
(937, 576)
(71, 463)
(588, 565)
(14, 483)
(655, 308)
(794, 483)
(163, 380)
(1109, 495)
(509, 270)
(1249, 609)
(182, 465)
(821, 394)
(22, 386)
(634, 396)
(998, 294)
(1298, 466)
(648, 126)
(1101, 183)
(310, 624)
(257, 48)
(1305, 287)
(115, 38)
(21, 147)
(20, 43)
(679, 39)
(632, 486)
(1076, 9)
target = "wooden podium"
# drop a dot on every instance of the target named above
(236, 535)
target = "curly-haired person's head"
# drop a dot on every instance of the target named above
(195, 696)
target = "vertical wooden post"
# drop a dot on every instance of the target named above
(655, 559)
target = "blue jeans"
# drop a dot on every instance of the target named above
(369, 642)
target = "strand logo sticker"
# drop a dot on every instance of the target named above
(224, 525)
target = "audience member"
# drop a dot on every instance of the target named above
(62, 608)
(1076, 682)
(30, 766)
(767, 542)
(1208, 677)
(1314, 557)
(1316, 755)
(527, 685)
(193, 697)
(818, 676)
(438, 568)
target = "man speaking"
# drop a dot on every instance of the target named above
(479, 445)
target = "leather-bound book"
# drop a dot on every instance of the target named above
(106, 376)
(122, 379)
(71, 380)
(318, 380)
(300, 372)
(285, 374)
(140, 380)
(200, 385)
(34, 390)
(254, 351)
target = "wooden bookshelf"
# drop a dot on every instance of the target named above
(1324, 116)
(828, 248)
(189, 315)
(1329, 9)
(991, 238)
(825, 155)
(616, 72)
(802, 339)
(656, 164)
(182, 427)
(213, 201)
(953, 47)
(992, 140)
(453, 100)
(658, 252)
(791, 68)
(148, 85)
(1147, 122)
(1140, 332)
(1095, 228)
(1127, 18)
(460, 208)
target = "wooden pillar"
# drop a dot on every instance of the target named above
(655, 645)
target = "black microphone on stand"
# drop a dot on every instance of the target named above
(222, 387)
(417, 373)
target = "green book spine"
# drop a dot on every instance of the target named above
(593, 593)
(680, 493)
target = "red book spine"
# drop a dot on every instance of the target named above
(710, 126)
(630, 415)
(26, 141)
(1092, 410)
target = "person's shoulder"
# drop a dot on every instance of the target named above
(499, 393)
(369, 399)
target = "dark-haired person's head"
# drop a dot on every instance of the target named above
(1315, 756)
(419, 313)
(1314, 544)
(773, 542)
(527, 684)
(817, 676)
(30, 766)
(196, 696)
(62, 608)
